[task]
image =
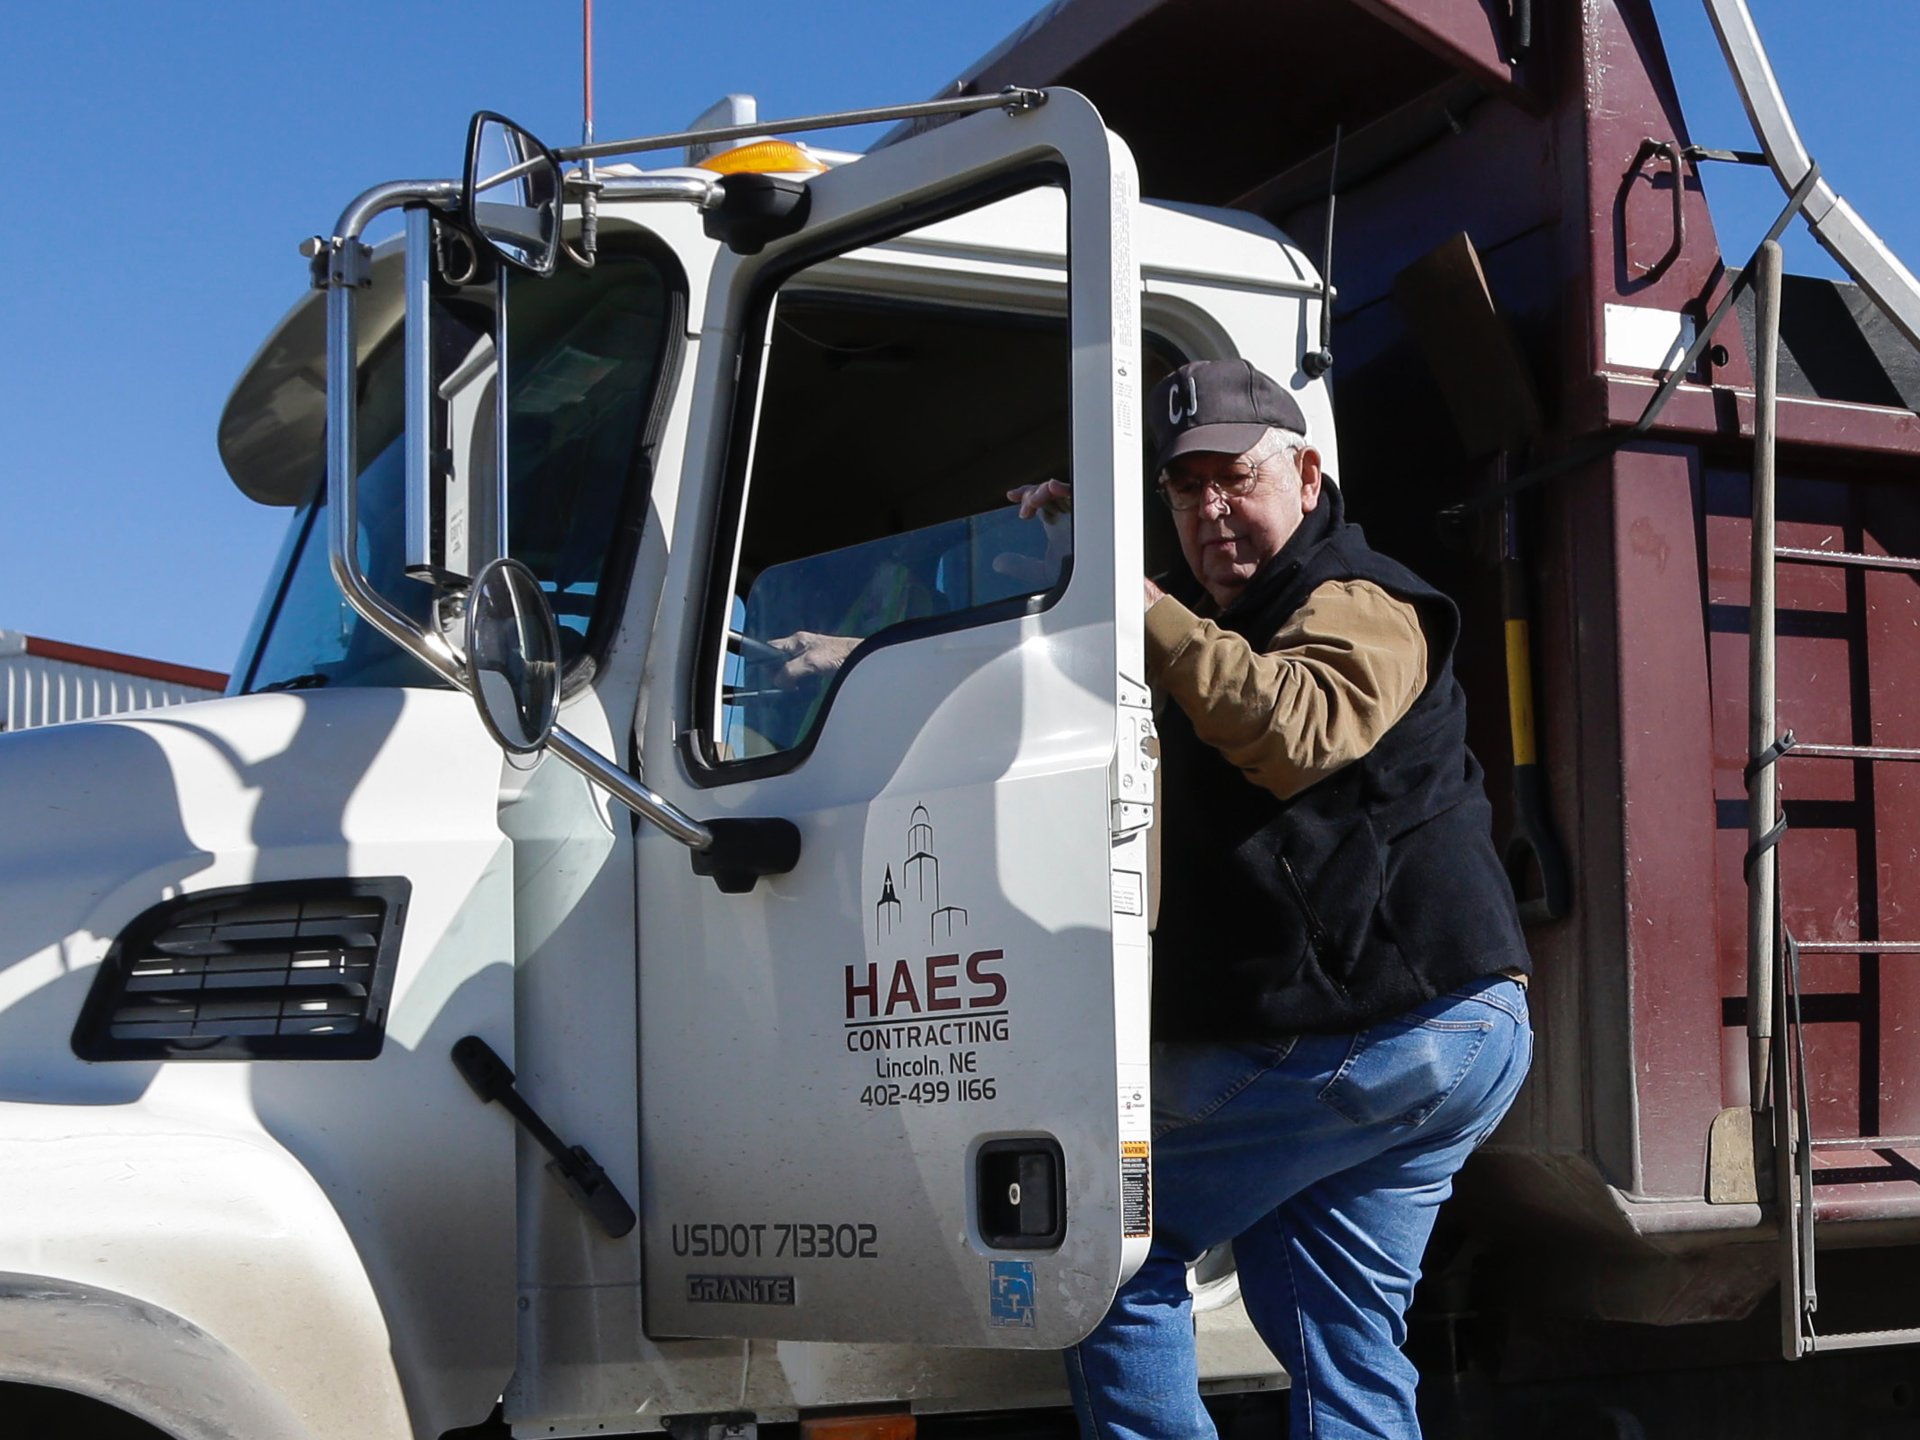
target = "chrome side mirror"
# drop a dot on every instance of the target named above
(513, 656)
(511, 195)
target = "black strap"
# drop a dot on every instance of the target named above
(1756, 767)
(1766, 757)
(1760, 847)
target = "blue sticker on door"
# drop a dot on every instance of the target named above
(1010, 1298)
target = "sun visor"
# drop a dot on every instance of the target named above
(273, 430)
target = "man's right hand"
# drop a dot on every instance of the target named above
(1050, 502)
(1050, 499)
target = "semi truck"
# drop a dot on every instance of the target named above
(521, 1006)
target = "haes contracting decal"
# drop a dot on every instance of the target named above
(928, 1005)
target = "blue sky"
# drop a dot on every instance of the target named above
(167, 159)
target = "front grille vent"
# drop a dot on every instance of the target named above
(296, 970)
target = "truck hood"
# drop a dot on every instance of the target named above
(107, 818)
(266, 1201)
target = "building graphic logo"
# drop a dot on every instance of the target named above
(886, 914)
(926, 983)
(920, 883)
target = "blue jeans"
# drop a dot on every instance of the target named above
(1324, 1161)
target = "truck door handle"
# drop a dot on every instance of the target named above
(745, 849)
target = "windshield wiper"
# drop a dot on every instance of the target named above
(298, 682)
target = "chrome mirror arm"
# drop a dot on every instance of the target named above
(370, 204)
(704, 191)
(345, 271)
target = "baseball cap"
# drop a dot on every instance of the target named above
(1223, 406)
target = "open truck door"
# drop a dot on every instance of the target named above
(899, 1092)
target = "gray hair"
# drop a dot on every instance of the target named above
(1274, 443)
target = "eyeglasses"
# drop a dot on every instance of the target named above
(1188, 492)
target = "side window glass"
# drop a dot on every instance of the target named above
(588, 353)
(587, 350)
(900, 400)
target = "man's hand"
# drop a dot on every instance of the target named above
(1050, 499)
(1154, 592)
(810, 655)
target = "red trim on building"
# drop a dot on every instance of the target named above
(125, 664)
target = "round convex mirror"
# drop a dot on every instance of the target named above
(513, 656)
(512, 193)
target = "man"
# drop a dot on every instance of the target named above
(1339, 1005)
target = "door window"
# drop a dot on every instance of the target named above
(871, 498)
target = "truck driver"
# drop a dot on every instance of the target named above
(1339, 1003)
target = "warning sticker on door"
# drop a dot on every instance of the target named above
(1010, 1294)
(1136, 1190)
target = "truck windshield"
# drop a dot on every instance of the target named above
(587, 350)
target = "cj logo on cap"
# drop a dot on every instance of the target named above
(1177, 406)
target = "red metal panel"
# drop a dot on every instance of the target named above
(1835, 425)
(1814, 654)
(1160, 75)
(1848, 674)
(1494, 181)
(1819, 882)
(1728, 587)
(1666, 767)
(1615, 243)
(1053, 42)
(1630, 256)
(1831, 874)
(1470, 35)
(1893, 671)
(1580, 1092)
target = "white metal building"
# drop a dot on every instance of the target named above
(43, 682)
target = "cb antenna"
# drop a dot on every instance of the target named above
(588, 186)
(1317, 362)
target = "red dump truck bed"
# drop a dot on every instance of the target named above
(1552, 138)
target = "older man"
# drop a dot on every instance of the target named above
(1339, 1001)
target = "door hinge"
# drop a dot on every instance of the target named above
(1136, 756)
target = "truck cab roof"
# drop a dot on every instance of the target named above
(271, 429)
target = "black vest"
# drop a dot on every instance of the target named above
(1362, 896)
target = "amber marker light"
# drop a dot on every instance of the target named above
(765, 157)
(892, 1426)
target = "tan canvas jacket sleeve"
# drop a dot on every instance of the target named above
(1335, 678)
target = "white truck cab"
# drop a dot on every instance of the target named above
(851, 1110)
